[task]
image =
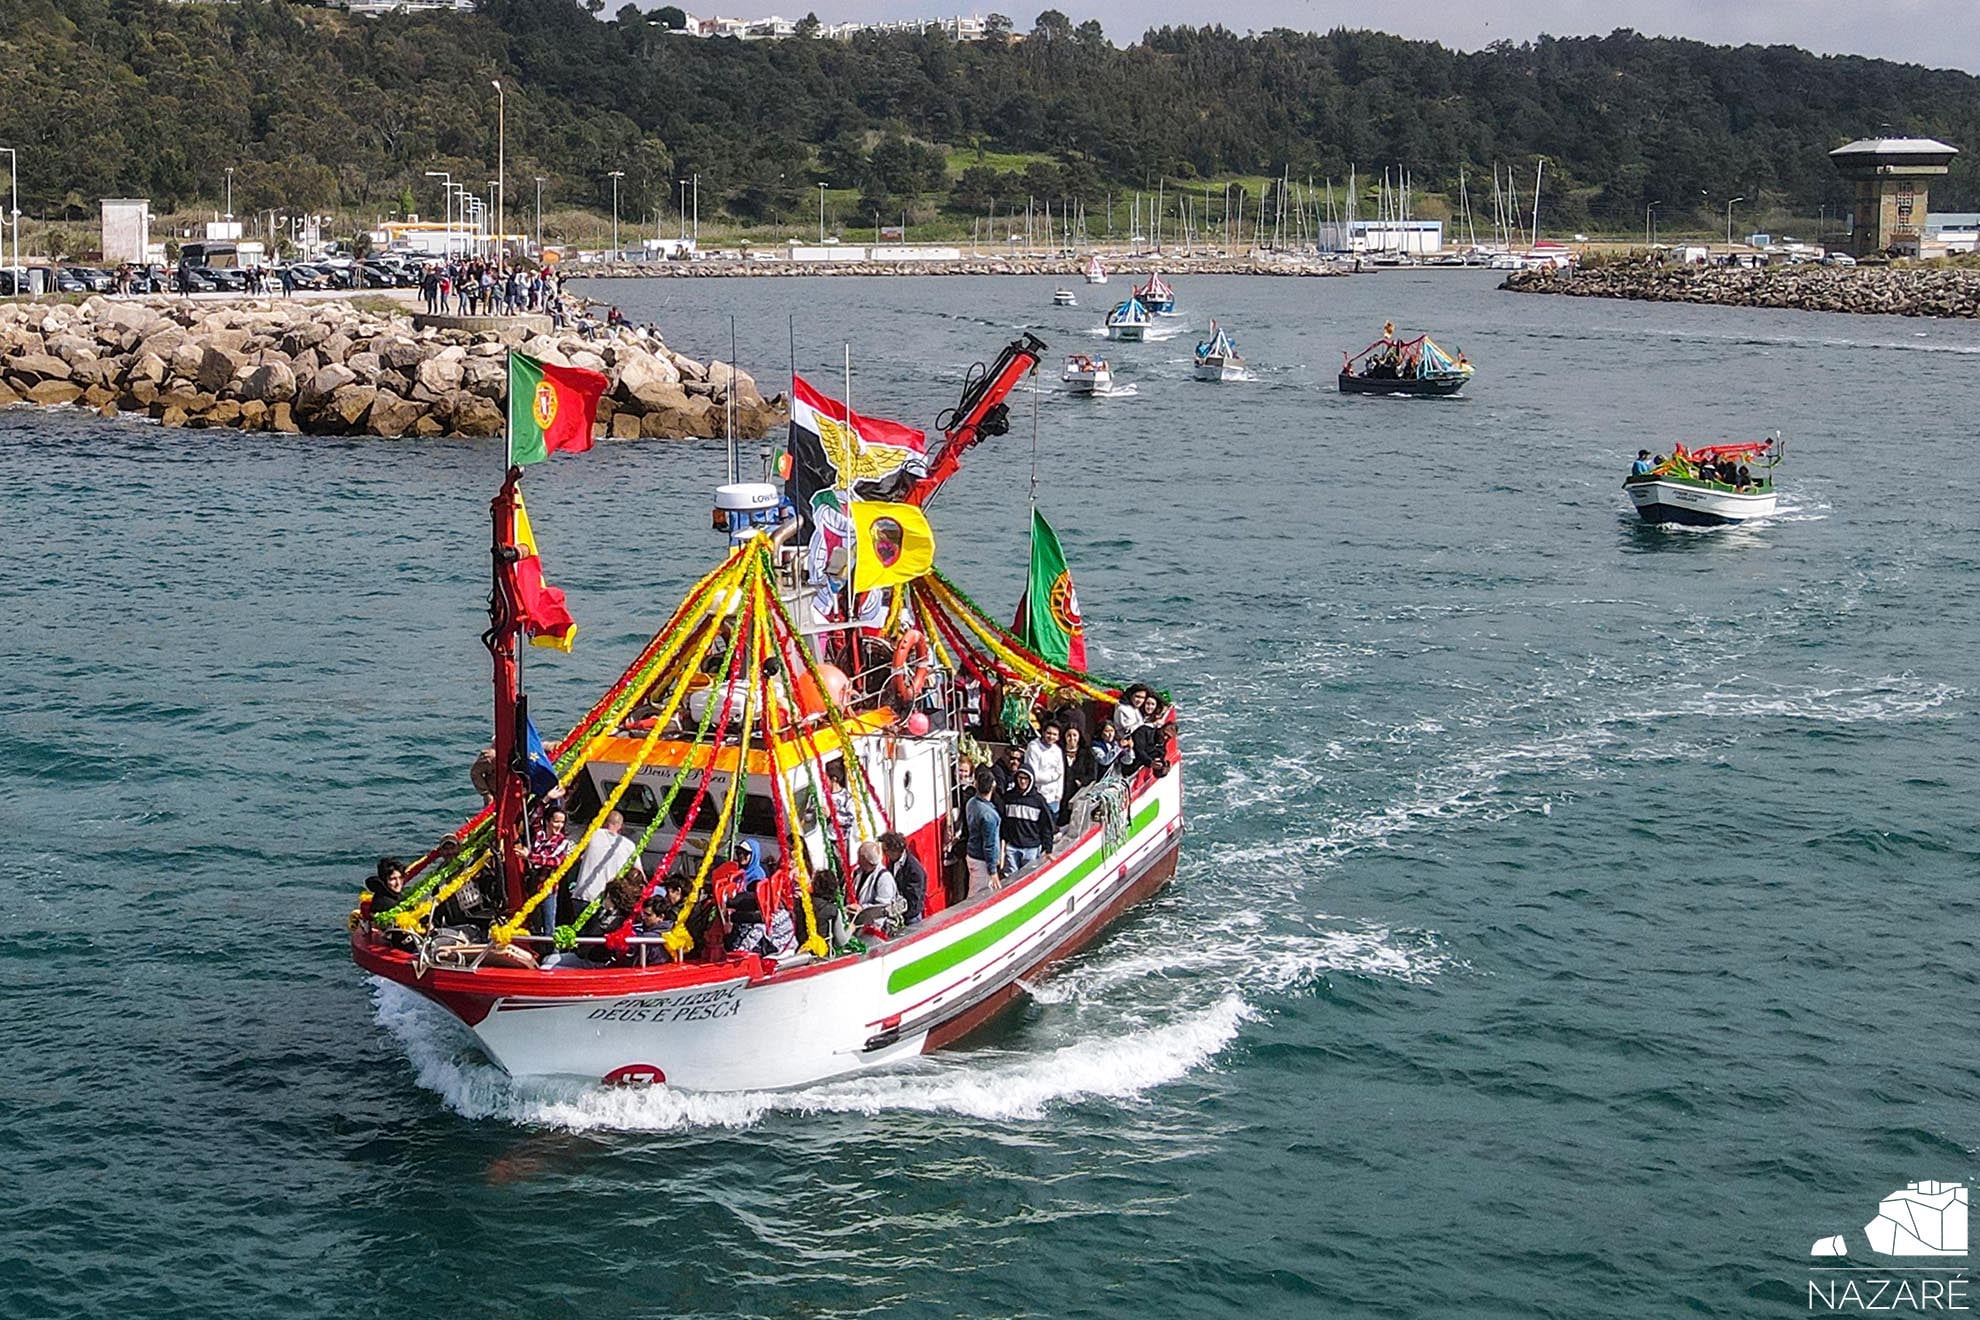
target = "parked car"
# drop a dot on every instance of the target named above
(67, 281)
(92, 279)
(14, 280)
(376, 276)
(197, 279)
(303, 276)
(1839, 259)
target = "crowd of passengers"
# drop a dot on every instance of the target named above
(1008, 819)
(1724, 471)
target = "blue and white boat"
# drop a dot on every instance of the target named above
(1217, 357)
(1128, 322)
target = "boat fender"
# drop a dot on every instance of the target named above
(913, 665)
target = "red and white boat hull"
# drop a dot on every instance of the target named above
(748, 1024)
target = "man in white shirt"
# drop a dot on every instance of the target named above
(604, 858)
(1046, 760)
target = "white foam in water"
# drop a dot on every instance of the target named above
(987, 1085)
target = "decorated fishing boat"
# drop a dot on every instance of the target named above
(1403, 366)
(1086, 374)
(1156, 295)
(1217, 357)
(1095, 272)
(735, 871)
(1128, 322)
(1064, 298)
(1709, 486)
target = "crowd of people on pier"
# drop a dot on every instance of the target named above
(476, 287)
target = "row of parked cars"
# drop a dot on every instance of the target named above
(384, 272)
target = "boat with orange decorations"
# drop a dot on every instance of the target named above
(714, 918)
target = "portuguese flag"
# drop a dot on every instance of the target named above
(1049, 619)
(550, 408)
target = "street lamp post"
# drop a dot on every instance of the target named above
(615, 176)
(821, 215)
(14, 271)
(697, 210)
(1729, 220)
(494, 223)
(501, 155)
(539, 219)
(230, 193)
(446, 207)
(680, 188)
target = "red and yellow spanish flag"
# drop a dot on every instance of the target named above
(544, 615)
(550, 408)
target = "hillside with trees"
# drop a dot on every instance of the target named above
(318, 110)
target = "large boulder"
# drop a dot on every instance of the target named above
(54, 391)
(436, 378)
(366, 364)
(488, 377)
(348, 404)
(657, 397)
(33, 368)
(400, 354)
(477, 417)
(218, 366)
(624, 426)
(326, 382)
(147, 367)
(391, 415)
(303, 337)
(639, 370)
(269, 383)
(72, 349)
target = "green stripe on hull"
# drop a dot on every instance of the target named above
(934, 964)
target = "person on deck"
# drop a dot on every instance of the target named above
(843, 816)
(1006, 768)
(1112, 752)
(387, 884)
(1046, 760)
(910, 877)
(874, 886)
(1082, 768)
(547, 851)
(482, 774)
(749, 856)
(607, 855)
(1642, 466)
(983, 834)
(1027, 822)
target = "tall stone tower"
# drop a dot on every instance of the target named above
(1892, 177)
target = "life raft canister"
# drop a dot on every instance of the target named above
(914, 666)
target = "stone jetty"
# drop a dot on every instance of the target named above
(334, 368)
(1065, 268)
(1881, 290)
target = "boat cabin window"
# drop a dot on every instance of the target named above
(759, 816)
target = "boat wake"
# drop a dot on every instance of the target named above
(998, 1085)
(1111, 392)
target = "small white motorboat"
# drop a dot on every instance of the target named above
(1217, 357)
(1064, 298)
(1095, 272)
(1086, 374)
(1128, 322)
(1709, 487)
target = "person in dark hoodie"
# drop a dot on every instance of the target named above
(1082, 768)
(1028, 823)
(910, 877)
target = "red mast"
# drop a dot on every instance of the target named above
(504, 627)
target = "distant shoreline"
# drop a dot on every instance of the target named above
(1068, 269)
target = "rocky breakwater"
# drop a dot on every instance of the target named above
(331, 368)
(1881, 290)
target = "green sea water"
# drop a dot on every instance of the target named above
(1576, 918)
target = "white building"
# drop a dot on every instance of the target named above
(126, 230)
(1416, 237)
(373, 8)
(1955, 231)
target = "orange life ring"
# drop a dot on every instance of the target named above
(914, 666)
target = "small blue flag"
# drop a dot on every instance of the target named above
(542, 770)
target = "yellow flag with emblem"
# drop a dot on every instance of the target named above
(895, 544)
